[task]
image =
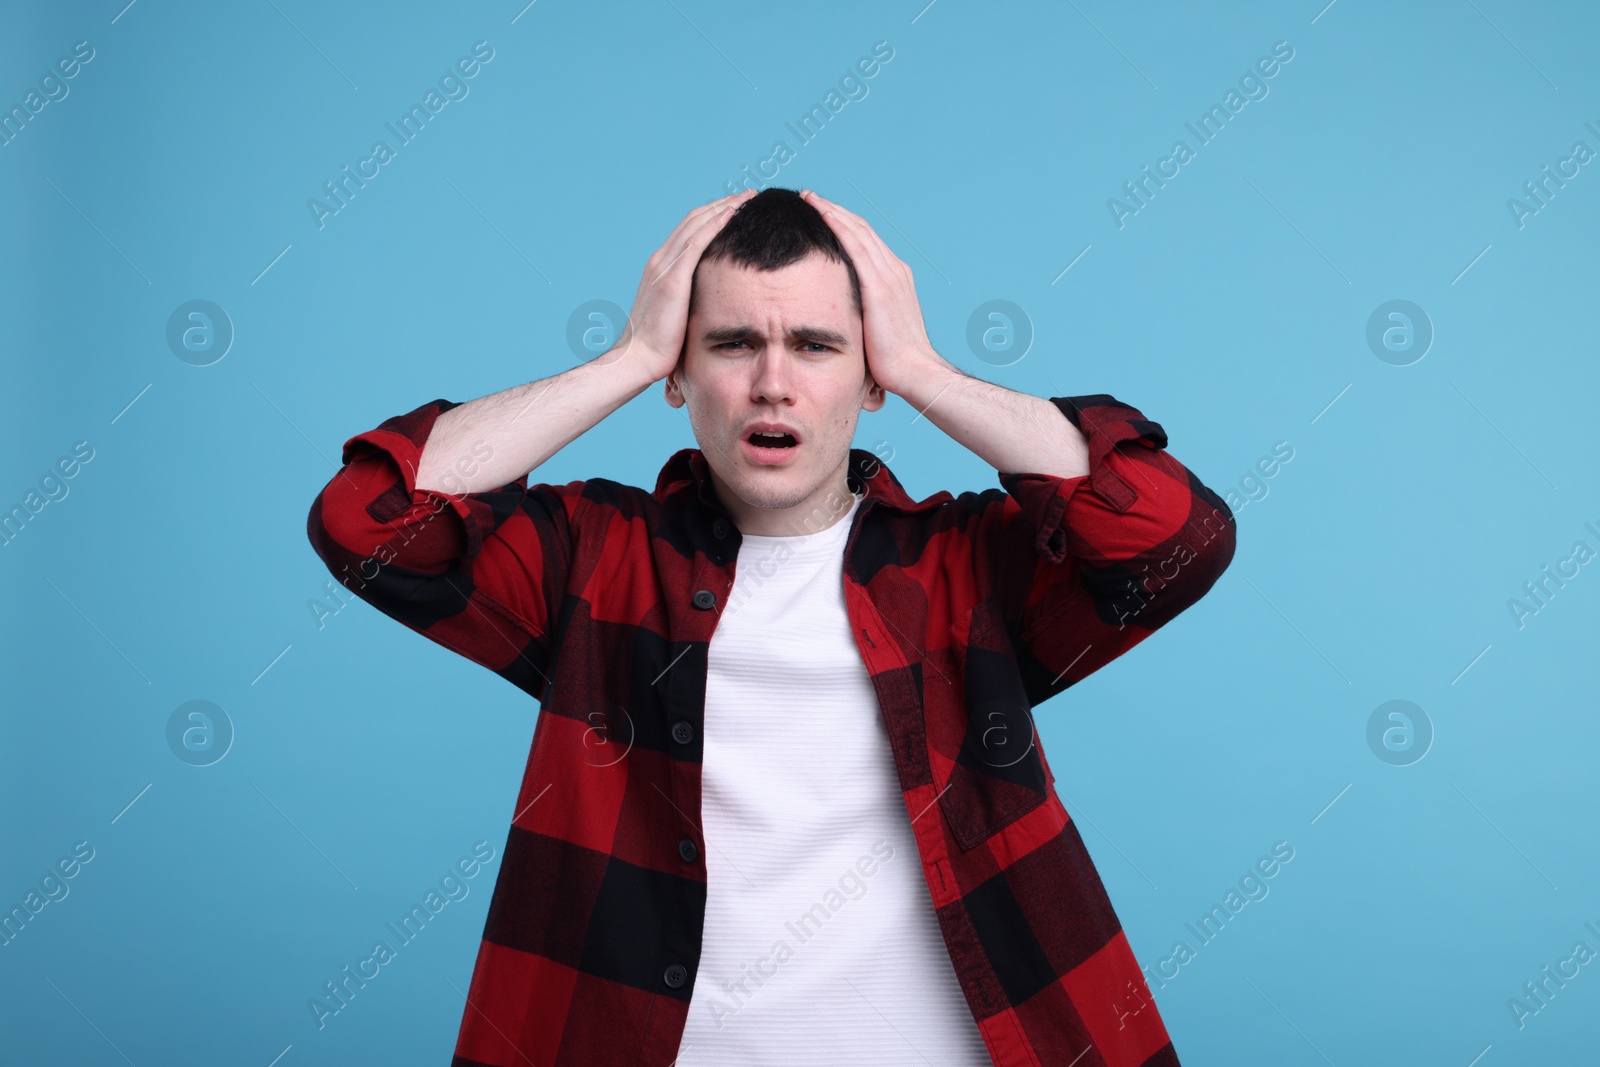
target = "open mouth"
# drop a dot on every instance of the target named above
(762, 439)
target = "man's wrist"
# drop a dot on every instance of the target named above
(930, 378)
(625, 369)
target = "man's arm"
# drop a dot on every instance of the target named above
(1101, 536)
(495, 439)
(521, 427)
(430, 519)
(1010, 431)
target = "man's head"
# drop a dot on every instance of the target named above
(774, 341)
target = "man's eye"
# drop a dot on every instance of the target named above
(818, 344)
(729, 344)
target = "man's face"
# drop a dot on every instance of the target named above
(775, 349)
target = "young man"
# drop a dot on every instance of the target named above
(785, 802)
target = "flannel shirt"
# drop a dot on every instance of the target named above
(599, 600)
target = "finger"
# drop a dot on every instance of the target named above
(696, 217)
(854, 224)
(825, 204)
(695, 241)
(731, 198)
(867, 250)
(673, 247)
(888, 262)
(699, 215)
(837, 217)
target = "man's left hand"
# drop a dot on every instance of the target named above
(896, 339)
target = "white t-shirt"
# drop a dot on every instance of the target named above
(821, 944)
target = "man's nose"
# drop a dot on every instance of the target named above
(774, 381)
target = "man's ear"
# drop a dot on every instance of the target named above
(672, 386)
(875, 396)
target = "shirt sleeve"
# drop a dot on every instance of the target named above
(1113, 554)
(480, 573)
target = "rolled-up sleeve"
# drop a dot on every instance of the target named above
(479, 573)
(1118, 552)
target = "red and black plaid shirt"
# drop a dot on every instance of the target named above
(599, 600)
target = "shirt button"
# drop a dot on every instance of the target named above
(675, 975)
(719, 528)
(705, 599)
(687, 850)
(683, 731)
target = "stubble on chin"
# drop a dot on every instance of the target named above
(775, 501)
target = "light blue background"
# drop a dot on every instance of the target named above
(1232, 309)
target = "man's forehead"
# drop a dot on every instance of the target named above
(813, 292)
(802, 277)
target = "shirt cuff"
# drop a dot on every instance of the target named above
(402, 438)
(1105, 422)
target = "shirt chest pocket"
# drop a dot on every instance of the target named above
(999, 773)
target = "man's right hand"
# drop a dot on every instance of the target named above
(660, 313)
(486, 443)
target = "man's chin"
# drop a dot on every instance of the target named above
(775, 499)
(768, 488)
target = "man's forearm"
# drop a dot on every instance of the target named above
(520, 428)
(496, 439)
(1011, 431)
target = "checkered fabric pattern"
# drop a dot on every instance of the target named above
(599, 600)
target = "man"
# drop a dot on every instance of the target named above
(785, 803)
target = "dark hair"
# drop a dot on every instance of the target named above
(773, 229)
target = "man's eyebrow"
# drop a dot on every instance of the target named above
(819, 333)
(745, 332)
